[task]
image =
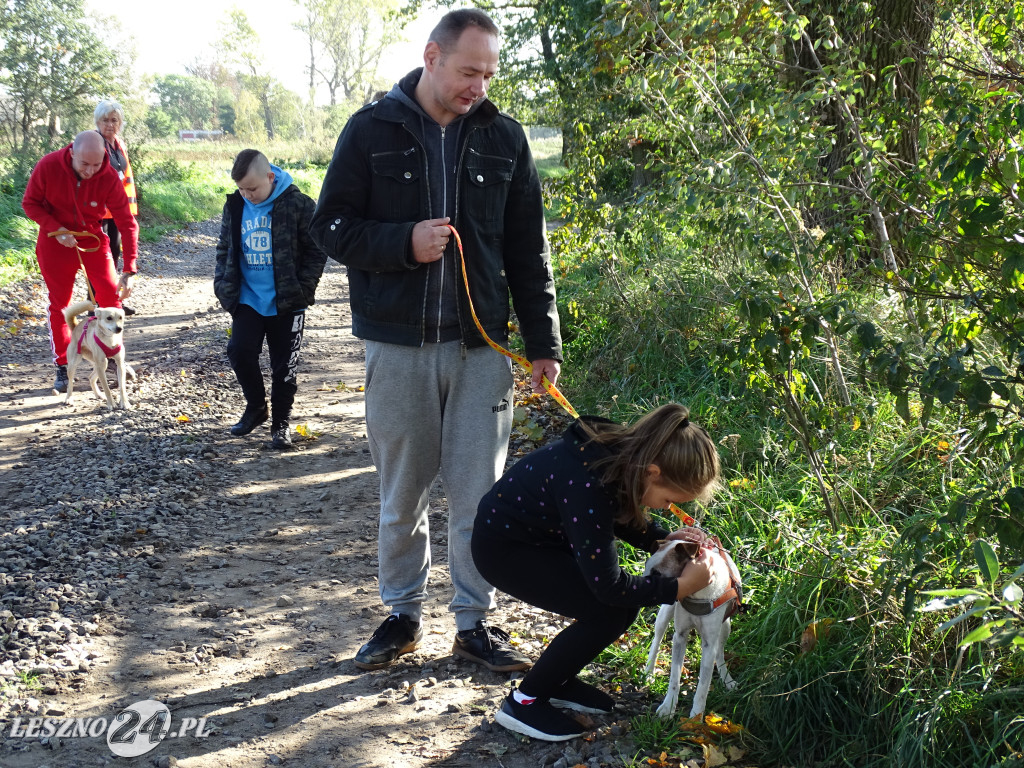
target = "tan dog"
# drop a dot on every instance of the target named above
(708, 612)
(97, 340)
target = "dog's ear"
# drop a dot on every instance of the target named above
(686, 550)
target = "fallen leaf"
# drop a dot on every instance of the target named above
(183, 417)
(735, 753)
(817, 630)
(713, 756)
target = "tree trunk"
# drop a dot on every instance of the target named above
(268, 115)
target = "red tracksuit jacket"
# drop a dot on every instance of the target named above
(55, 197)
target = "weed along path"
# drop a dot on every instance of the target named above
(171, 595)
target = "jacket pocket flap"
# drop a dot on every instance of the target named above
(391, 168)
(484, 170)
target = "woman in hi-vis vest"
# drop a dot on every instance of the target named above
(109, 118)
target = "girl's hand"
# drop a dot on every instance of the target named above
(686, 533)
(696, 575)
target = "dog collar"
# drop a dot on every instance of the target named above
(704, 607)
(108, 351)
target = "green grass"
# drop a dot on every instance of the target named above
(17, 240)
(642, 321)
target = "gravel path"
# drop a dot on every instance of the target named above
(148, 555)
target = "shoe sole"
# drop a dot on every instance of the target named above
(506, 720)
(577, 707)
(370, 665)
(517, 667)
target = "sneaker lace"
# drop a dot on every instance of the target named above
(494, 633)
(385, 627)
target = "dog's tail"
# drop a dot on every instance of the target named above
(70, 313)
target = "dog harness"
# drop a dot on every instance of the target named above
(108, 351)
(693, 546)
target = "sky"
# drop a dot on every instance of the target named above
(169, 36)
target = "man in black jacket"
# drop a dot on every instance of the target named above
(435, 151)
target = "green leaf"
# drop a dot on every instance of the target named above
(903, 407)
(988, 564)
(1005, 637)
(978, 609)
(1013, 593)
(945, 603)
(959, 592)
(984, 632)
(1017, 574)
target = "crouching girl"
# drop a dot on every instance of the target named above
(546, 534)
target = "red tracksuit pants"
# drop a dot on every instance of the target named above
(58, 271)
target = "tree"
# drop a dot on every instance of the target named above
(52, 65)
(189, 102)
(241, 44)
(346, 40)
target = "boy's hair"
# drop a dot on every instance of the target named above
(451, 26)
(682, 450)
(249, 160)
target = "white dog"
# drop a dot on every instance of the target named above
(709, 611)
(97, 339)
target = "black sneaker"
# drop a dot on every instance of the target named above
(397, 635)
(60, 384)
(249, 421)
(280, 436)
(489, 646)
(538, 720)
(582, 697)
(128, 311)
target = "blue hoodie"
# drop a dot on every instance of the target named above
(258, 289)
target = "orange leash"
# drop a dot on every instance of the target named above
(79, 250)
(545, 382)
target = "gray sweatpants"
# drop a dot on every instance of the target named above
(430, 408)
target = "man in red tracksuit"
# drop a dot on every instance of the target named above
(68, 191)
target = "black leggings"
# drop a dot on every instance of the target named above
(114, 235)
(550, 579)
(283, 333)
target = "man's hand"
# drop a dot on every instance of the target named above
(65, 238)
(544, 367)
(125, 285)
(429, 239)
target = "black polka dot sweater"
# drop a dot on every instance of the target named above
(552, 499)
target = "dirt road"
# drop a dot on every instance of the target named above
(148, 555)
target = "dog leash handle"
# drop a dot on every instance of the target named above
(79, 250)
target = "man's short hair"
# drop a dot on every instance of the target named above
(104, 108)
(249, 160)
(451, 26)
(87, 140)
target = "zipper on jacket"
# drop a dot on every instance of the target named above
(444, 203)
(426, 186)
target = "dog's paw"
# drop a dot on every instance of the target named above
(666, 710)
(730, 685)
